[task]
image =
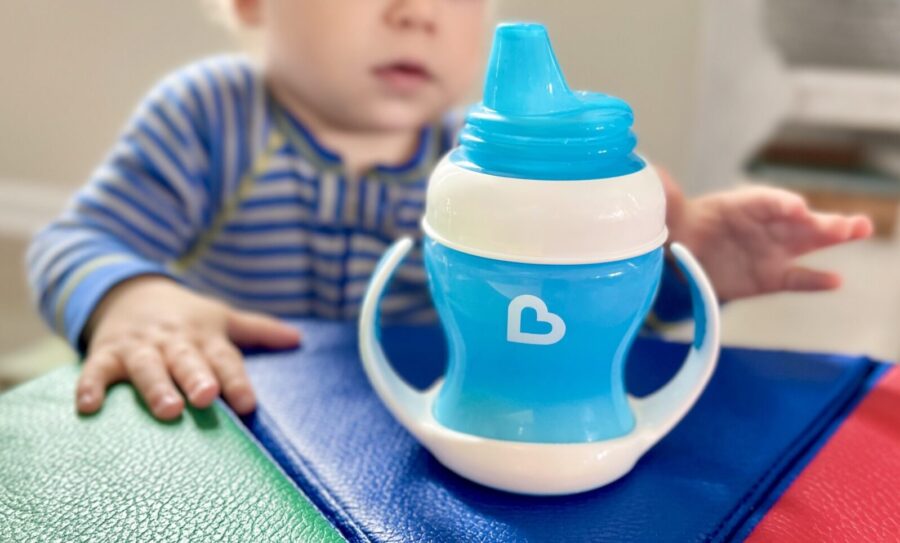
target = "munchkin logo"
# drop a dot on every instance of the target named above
(514, 333)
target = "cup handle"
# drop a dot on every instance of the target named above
(659, 412)
(408, 405)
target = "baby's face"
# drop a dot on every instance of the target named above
(371, 64)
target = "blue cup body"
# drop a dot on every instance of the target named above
(536, 351)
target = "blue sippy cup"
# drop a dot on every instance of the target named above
(543, 247)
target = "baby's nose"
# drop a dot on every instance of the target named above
(412, 14)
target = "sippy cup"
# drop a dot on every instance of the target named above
(543, 248)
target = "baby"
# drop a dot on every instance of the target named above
(243, 189)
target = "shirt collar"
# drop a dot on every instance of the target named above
(304, 142)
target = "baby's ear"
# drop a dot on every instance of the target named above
(247, 12)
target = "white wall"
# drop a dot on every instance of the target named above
(73, 72)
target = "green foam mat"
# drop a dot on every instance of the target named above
(120, 475)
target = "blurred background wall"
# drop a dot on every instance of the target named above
(705, 80)
(75, 70)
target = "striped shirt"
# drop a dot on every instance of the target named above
(216, 185)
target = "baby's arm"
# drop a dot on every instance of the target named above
(100, 272)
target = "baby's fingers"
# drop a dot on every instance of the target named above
(257, 330)
(861, 227)
(100, 370)
(147, 371)
(228, 365)
(799, 278)
(191, 372)
(833, 228)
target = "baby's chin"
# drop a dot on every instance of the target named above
(391, 116)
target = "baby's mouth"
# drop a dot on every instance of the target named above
(403, 76)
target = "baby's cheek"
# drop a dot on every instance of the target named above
(461, 71)
(466, 30)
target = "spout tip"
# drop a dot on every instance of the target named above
(523, 76)
(520, 30)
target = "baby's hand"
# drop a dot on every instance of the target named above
(160, 336)
(748, 238)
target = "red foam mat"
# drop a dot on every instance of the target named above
(850, 492)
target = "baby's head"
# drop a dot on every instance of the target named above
(372, 65)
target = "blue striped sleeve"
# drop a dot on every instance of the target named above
(142, 209)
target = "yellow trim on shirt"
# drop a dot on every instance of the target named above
(72, 283)
(227, 211)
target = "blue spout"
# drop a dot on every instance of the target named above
(531, 125)
(523, 77)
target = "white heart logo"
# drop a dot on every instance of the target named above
(514, 331)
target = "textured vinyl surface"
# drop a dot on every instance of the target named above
(851, 490)
(320, 419)
(122, 476)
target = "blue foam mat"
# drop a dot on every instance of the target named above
(321, 421)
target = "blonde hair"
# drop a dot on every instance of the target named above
(221, 12)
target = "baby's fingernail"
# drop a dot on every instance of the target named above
(200, 386)
(244, 403)
(203, 391)
(85, 399)
(168, 406)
